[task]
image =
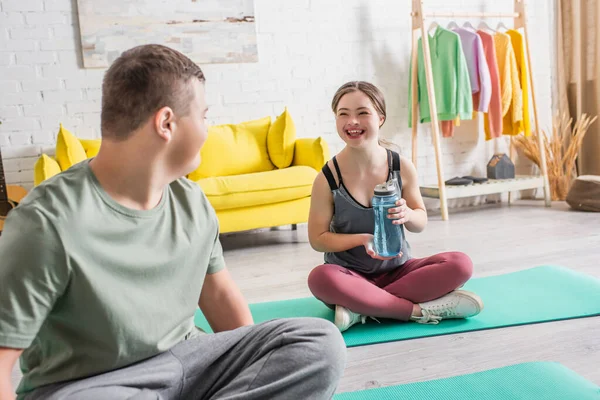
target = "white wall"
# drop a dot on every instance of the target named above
(307, 49)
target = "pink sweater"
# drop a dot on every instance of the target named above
(493, 118)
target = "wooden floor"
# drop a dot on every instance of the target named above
(274, 264)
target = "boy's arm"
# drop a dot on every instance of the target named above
(33, 275)
(223, 304)
(8, 358)
(221, 301)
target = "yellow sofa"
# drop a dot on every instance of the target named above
(256, 174)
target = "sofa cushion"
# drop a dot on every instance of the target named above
(235, 149)
(228, 192)
(69, 150)
(281, 140)
(311, 152)
(45, 167)
(91, 146)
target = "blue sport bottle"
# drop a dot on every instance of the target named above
(387, 235)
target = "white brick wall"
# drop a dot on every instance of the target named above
(307, 49)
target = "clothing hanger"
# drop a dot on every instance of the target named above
(468, 25)
(501, 26)
(452, 24)
(434, 25)
(483, 25)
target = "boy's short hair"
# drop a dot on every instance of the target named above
(140, 82)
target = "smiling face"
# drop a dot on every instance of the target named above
(357, 120)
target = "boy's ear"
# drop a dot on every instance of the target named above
(164, 123)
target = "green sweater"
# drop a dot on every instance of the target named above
(450, 77)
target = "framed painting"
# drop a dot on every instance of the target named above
(207, 31)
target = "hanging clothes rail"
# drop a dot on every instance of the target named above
(441, 190)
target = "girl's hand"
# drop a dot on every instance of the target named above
(401, 213)
(370, 248)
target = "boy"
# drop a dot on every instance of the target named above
(102, 267)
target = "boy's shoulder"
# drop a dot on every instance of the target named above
(58, 193)
(190, 195)
(188, 189)
(186, 185)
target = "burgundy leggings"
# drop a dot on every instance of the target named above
(392, 294)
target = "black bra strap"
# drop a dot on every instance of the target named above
(395, 161)
(390, 161)
(337, 169)
(329, 175)
(394, 165)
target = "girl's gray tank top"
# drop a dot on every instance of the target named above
(349, 216)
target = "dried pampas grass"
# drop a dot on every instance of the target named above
(561, 151)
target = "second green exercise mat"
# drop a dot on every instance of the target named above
(527, 381)
(540, 294)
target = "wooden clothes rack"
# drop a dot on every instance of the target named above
(492, 185)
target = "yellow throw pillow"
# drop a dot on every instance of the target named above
(91, 147)
(69, 150)
(235, 149)
(281, 140)
(45, 167)
(311, 152)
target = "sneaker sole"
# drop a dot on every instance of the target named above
(471, 296)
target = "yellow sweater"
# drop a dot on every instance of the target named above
(517, 44)
(510, 87)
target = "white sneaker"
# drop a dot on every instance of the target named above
(456, 304)
(345, 318)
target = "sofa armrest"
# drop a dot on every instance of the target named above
(311, 152)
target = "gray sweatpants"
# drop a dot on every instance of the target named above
(300, 358)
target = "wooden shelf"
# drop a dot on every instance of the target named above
(521, 182)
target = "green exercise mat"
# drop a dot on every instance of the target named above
(527, 381)
(540, 294)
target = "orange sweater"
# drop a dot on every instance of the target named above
(512, 94)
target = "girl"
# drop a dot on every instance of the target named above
(354, 280)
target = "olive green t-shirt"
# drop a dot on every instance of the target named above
(88, 285)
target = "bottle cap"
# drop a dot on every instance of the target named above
(385, 189)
